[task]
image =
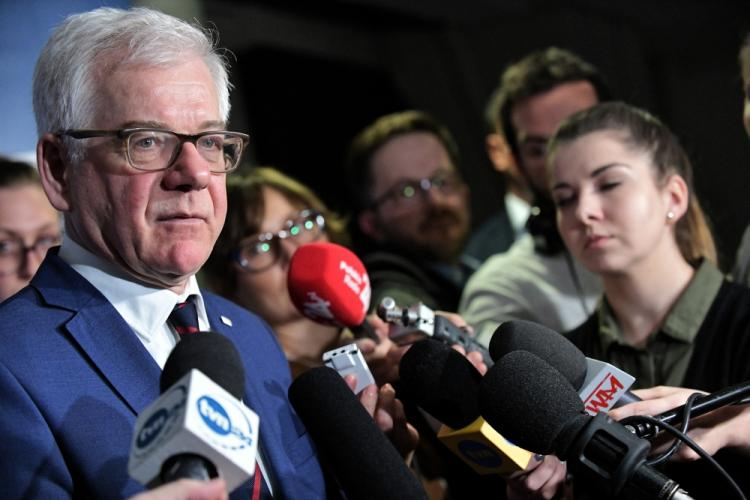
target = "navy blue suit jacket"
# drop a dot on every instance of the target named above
(74, 376)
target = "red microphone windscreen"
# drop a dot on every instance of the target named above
(329, 284)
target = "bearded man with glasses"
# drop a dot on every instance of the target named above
(131, 109)
(412, 207)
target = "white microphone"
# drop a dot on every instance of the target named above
(196, 428)
(605, 387)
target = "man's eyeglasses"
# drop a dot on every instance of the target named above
(409, 193)
(153, 149)
(13, 251)
(263, 251)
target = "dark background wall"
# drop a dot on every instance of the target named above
(309, 74)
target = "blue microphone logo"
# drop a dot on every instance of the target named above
(480, 453)
(229, 427)
(152, 428)
(214, 415)
(161, 422)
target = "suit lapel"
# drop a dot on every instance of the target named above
(225, 325)
(115, 349)
(102, 334)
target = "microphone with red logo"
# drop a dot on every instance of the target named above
(329, 284)
(601, 386)
(532, 403)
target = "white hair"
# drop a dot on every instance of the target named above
(96, 43)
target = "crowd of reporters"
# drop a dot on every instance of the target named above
(600, 236)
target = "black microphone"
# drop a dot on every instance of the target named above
(211, 353)
(702, 405)
(445, 384)
(360, 456)
(441, 381)
(601, 386)
(198, 428)
(532, 403)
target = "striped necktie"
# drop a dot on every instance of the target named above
(184, 317)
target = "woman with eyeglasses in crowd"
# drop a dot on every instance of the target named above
(29, 225)
(269, 216)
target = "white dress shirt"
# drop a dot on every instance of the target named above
(144, 307)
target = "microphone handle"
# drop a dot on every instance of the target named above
(626, 399)
(648, 482)
(704, 404)
(187, 466)
(605, 457)
(445, 331)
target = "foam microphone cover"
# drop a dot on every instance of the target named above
(552, 347)
(211, 353)
(328, 283)
(441, 381)
(357, 452)
(531, 404)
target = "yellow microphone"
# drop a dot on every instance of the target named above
(445, 384)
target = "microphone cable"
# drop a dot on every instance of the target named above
(688, 408)
(680, 438)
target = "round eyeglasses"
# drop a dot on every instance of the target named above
(409, 193)
(153, 149)
(264, 250)
(13, 251)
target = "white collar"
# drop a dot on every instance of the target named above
(144, 307)
(518, 211)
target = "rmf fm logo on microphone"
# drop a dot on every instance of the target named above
(357, 281)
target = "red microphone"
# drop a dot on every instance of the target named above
(329, 284)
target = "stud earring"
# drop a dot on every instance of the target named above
(670, 215)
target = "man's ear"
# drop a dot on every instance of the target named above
(368, 224)
(499, 153)
(52, 166)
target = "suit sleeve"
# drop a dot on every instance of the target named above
(32, 463)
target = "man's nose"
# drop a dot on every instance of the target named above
(190, 170)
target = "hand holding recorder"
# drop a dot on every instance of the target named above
(419, 322)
